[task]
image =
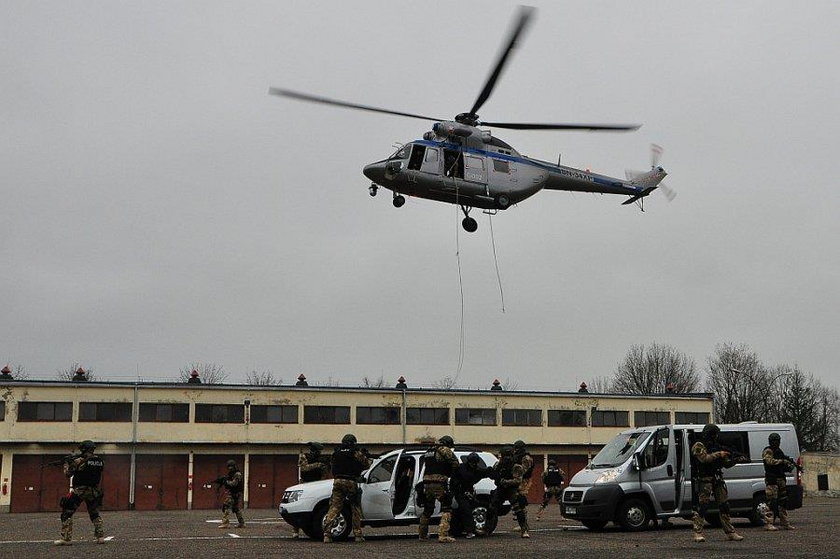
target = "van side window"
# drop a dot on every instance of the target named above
(735, 440)
(656, 452)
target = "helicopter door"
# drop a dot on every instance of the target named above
(431, 163)
(453, 163)
(474, 169)
(416, 159)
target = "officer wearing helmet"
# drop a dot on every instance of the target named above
(313, 466)
(85, 471)
(508, 474)
(348, 463)
(552, 480)
(233, 483)
(462, 485)
(710, 459)
(440, 464)
(776, 465)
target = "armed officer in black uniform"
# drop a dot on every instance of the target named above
(85, 469)
(462, 485)
(348, 463)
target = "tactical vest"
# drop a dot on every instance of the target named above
(530, 470)
(553, 478)
(434, 464)
(90, 474)
(238, 488)
(777, 470)
(315, 474)
(505, 469)
(344, 463)
(709, 469)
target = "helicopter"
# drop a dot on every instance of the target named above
(460, 162)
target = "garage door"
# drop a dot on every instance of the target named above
(116, 480)
(570, 464)
(535, 495)
(161, 482)
(37, 487)
(269, 476)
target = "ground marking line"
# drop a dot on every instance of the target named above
(234, 536)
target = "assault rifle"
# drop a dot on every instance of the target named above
(735, 456)
(791, 464)
(219, 482)
(61, 461)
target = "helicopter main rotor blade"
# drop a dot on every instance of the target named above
(537, 126)
(525, 13)
(325, 101)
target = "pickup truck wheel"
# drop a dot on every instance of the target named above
(633, 515)
(594, 525)
(343, 523)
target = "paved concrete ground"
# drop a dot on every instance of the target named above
(196, 533)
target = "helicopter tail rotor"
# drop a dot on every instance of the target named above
(653, 177)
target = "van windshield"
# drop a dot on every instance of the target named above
(619, 450)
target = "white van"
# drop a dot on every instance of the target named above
(646, 473)
(388, 496)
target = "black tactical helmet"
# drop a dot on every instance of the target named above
(231, 464)
(87, 445)
(316, 446)
(446, 440)
(710, 430)
(519, 445)
(552, 463)
(473, 458)
(774, 438)
(349, 439)
(506, 451)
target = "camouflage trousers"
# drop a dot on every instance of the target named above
(344, 489)
(708, 489)
(518, 501)
(551, 491)
(776, 493)
(92, 497)
(434, 491)
(231, 504)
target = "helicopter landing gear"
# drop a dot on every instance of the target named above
(373, 189)
(469, 224)
(503, 201)
(399, 200)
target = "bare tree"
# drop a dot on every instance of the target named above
(600, 385)
(510, 384)
(445, 383)
(813, 409)
(70, 372)
(648, 370)
(264, 378)
(209, 373)
(19, 372)
(368, 382)
(740, 384)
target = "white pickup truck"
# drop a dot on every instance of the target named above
(388, 496)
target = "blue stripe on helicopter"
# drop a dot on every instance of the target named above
(515, 159)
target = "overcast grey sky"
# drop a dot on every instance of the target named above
(159, 208)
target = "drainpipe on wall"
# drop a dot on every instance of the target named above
(135, 412)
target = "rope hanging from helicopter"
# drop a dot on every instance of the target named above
(462, 338)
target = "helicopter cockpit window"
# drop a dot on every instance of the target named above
(416, 160)
(501, 166)
(431, 155)
(401, 153)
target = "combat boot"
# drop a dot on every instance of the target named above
(359, 538)
(787, 527)
(734, 536)
(699, 538)
(100, 540)
(525, 534)
(224, 525)
(328, 538)
(539, 513)
(445, 539)
(770, 528)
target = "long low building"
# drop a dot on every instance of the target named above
(164, 442)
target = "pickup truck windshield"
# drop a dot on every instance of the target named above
(618, 450)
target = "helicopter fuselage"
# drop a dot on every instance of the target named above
(476, 170)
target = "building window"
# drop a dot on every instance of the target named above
(610, 418)
(524, 418)
(2, 410)
(165, 413)
(219, 413)
(427, 416)
(475, 416)
(377, 415)
(326, 414)
(645, 418)
(104, 411)
(45, 411)
(274, 414)
(691, 417)
(566, 418)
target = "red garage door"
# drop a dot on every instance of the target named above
(116, 480)
(37, 487)
(161, 482)
(207, 467)
(270, 475)
(535, 495)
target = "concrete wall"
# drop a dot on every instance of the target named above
(817, 463)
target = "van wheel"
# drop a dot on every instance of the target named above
(758, 510)
(482, 518)
(634, 515)
(342, 527)
(594, 525)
